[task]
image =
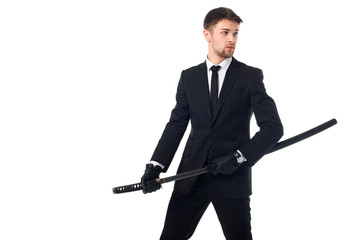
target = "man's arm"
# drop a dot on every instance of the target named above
(267, 118)
(168, 143)
(270, 132)
(174, 130)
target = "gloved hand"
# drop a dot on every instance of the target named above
(225, 164)
(148, 180)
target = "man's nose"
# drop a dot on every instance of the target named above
(231, 38)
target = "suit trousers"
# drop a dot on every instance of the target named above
(185, 211)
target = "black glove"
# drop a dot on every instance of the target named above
(148, 180)
(225, 164)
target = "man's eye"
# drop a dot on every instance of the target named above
(236, 33)
(225, 32)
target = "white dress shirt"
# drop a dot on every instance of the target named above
(224, 65)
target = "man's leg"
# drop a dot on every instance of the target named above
(184, 213)
(234, 216)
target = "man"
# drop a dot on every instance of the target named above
(218, 97)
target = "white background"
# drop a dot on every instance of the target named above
(86, 88)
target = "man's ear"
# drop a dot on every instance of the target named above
(207, 35)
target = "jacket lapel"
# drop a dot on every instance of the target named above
(204, 88)
(229, 81)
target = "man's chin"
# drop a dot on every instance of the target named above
(227, 55)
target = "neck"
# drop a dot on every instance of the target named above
(215, 59)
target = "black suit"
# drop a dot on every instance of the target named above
(222, 132)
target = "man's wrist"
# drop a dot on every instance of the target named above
(155, 163)
(239, 157)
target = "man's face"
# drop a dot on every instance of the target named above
(222, 38)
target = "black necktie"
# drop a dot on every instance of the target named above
(214, 87)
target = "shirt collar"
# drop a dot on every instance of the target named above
(224, 64)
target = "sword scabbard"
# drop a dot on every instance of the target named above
(193, 173)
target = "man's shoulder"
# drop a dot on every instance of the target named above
(194, 71)
(244, 66)
(196, 67)
(234, 63)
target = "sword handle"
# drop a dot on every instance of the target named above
(127, 188)
(131, 187)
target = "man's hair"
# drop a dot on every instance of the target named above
(218, 14)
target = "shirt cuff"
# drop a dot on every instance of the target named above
(157, 164)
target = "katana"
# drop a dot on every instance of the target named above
(209, 168)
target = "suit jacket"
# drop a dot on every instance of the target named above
(224, 131)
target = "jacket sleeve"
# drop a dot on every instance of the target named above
(267, 118)
(174, 129)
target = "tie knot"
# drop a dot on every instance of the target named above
(215, 68)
